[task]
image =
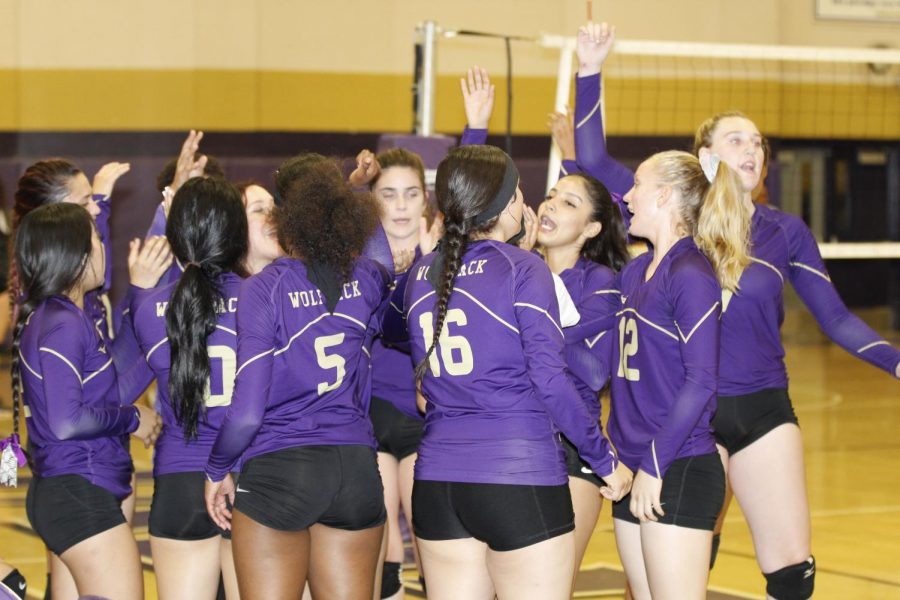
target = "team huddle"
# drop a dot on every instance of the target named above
(337, 351)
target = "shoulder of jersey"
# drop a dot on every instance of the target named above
(597, 275)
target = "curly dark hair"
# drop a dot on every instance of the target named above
(323, 219)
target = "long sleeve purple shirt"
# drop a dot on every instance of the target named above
(664, 380)
(299, 365)
(783, 249)
(587, 352)
(174, 453)
(497, 387)
(74, 417)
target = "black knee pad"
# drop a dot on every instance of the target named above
(717, 537)
(390, 579)
(15, 582)
(795, 582)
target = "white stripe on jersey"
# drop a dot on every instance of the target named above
(64, 359)
(539, 309)
(768, 264)
(699, 323)
(366, 350)
(593, 342)
(255, 358)
(97, 372)
(867, 346)
(655, 462)
(155, 346)
(27, 366)
(589, 115)
(648, 322)
(223, 328)
(488, 311)
(811, 270)
(416, 303)
(293, 337)
(606, 292)
(349, 318)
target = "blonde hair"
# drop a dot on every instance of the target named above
(714, 214)
(703, 136)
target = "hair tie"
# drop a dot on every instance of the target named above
(709, 162)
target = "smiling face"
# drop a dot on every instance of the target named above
(262, 239)
(80, 193)
(643, 201)
(403, 201)
(739, 144)
(564, 217)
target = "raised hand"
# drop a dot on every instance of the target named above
(187, 166)
(148, 263)
(106, 177)
(367, 169)
(562, 128)
(595, 40)
(478, 97)
(429, 236)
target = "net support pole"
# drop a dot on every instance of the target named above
(563, 86)
(426, 85)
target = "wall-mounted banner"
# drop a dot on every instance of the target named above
(859, 10)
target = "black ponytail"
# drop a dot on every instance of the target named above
(207, 230)
(52, 249)
(610, 246)
(467, 182)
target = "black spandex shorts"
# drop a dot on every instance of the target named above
(693, 492)
(576, 467)
(68, 509)
(397, 433)
(291, 489)
(505, 517)
(741, 420)
(178, 509)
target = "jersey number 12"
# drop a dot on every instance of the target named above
(628, 328)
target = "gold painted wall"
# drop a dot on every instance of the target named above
(345, 65)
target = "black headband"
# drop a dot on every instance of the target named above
(501, 200)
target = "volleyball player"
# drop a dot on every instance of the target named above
(187, 331)
(58, 180)
(664, 386)
(756, 428)
(491, 507)
(75, 420)
(582, 238)
(296, 415)
(399, 187)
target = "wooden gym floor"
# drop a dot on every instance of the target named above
(850, 416)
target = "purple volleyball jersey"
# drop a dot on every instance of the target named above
(664, 375)
(590, 285)
(784, 249)
(299, 365)
(174, 453)
(75, 420)
(497, 387)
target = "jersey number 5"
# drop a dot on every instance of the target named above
(628, 328)
(462, 363)
(330, 361)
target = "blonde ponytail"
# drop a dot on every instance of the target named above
(715, 215)
(723, 227)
